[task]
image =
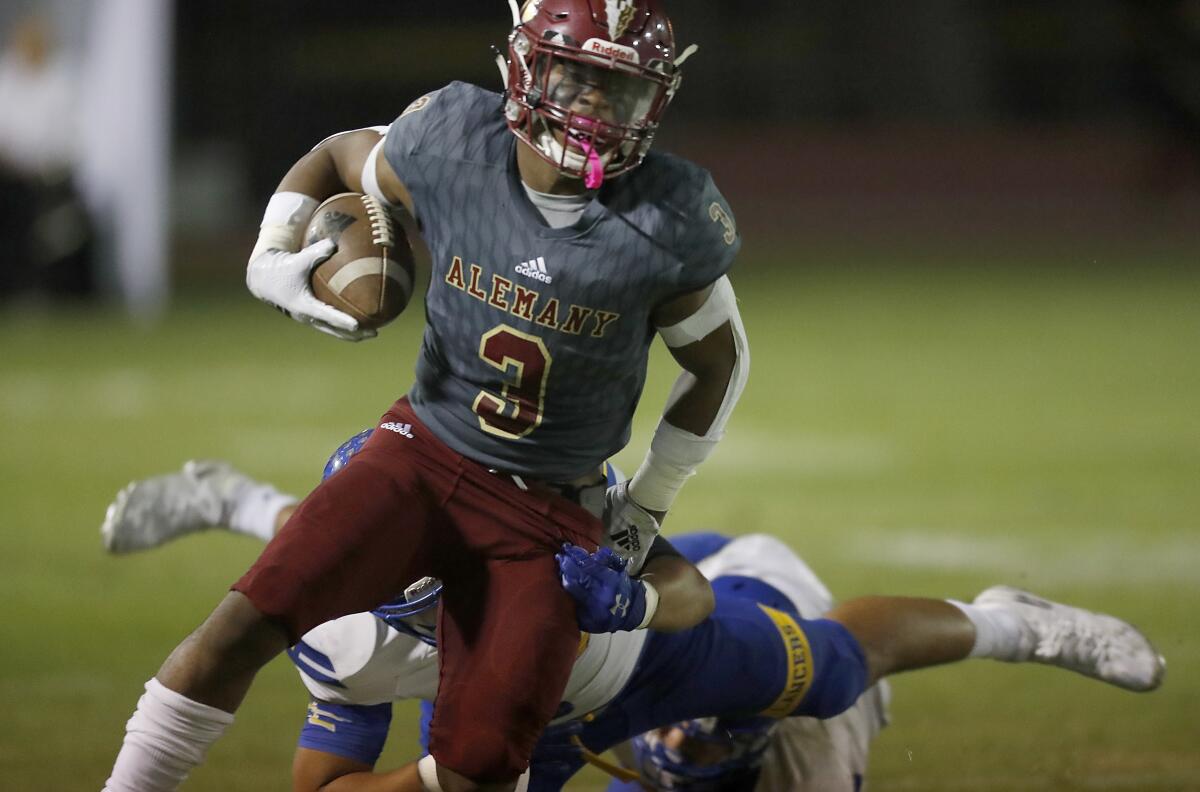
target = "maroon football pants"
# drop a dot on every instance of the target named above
(407, 506)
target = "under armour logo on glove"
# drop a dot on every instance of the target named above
(606, 598)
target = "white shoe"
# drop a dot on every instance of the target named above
(1093, 644)
(153, 511)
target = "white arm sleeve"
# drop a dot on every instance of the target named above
(719, 308)
(283, 222)
(675, 453)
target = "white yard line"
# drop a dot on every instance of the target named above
(1101, 557)
(812, 455)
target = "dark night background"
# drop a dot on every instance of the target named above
(945, 116)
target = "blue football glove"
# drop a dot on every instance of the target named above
(607, 599)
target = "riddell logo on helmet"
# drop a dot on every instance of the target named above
(608, 49)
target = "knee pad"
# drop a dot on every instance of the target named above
(839, 669)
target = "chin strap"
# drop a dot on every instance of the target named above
(619, 773)
(600, 763)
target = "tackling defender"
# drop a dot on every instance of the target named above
(478, 475)
(775, 646)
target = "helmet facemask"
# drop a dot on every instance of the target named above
(590, 110)
(414, 613)
(719, 754)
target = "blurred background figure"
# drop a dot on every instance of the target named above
(125, 153)
(84, 149)
(45, 230)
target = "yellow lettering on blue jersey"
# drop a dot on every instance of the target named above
(317, 716)
(798, 679)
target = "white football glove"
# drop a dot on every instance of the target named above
(281, 280)
(629, 530)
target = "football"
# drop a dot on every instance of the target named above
(370, 276)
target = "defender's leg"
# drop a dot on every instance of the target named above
(203, 494)
(903, 633)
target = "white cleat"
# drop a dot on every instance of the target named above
(1092, 644)
(153, 511)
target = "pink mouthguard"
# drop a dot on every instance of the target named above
(594, 176)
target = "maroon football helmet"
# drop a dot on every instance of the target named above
(588, 81)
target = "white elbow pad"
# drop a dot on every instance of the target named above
(719, 308)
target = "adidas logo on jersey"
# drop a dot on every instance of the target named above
(536, 269)
(399, 428)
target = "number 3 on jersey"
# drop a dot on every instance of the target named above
(524, 361)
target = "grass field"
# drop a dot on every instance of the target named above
(909, 428)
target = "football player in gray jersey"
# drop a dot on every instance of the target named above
(561, 245)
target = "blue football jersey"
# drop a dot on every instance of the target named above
(536, 342)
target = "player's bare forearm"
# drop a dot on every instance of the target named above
(700, 390)
(685, 595)
(336, 166)
(317, 771)
(333, 167)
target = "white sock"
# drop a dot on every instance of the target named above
(167, 736)
(255, 508)
(998, 631)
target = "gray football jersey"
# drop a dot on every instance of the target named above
(536, 339)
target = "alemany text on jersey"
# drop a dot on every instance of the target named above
(505, 295)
